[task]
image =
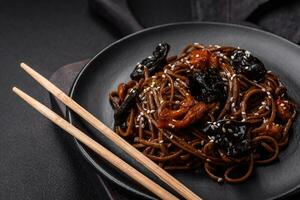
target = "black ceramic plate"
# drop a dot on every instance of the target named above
(114, 64)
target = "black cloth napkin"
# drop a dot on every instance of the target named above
(281, 17)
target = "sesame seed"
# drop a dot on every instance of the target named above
(171, 137)
(161, 141)
(234, 75)
(282, 104)
(164, 76)
(243, 120)
(208, 160)
(256, 114)
(230, 130)
(171, 125)
(267, 107)
(243, 113)
(224, 130)
(220, 180)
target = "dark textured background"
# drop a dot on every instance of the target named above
(36, 161)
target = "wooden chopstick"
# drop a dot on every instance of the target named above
(96, 147)
(119, 141)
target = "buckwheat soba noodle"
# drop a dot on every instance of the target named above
(214, 108)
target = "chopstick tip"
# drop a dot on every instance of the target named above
(23, 65)
(15, 89)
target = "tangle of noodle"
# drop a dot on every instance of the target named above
(175, 145)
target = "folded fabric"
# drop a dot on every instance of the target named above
(277, 16)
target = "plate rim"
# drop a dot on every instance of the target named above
(87, 156)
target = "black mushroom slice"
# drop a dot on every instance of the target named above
(207, 85)
(154, 63)
(231, 136)
(123, 111)
(248, 65)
